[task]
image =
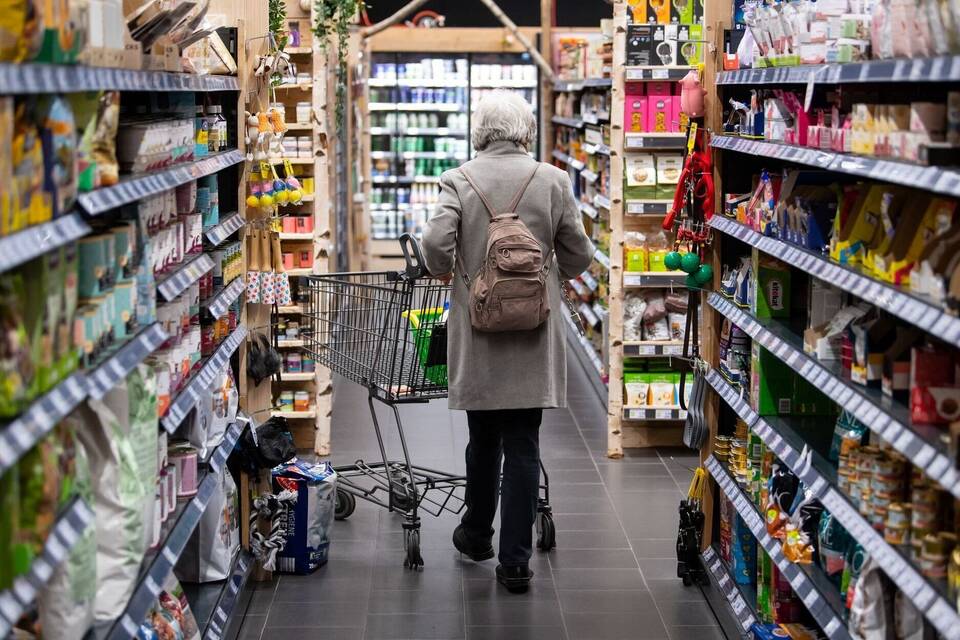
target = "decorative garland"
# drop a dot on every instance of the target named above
(278, 19)
(333, 18)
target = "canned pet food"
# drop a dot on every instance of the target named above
(294, 363)
(286, 400)
(301, 401)
(307, 364)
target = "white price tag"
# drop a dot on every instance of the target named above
(738, 605)
(663, 414)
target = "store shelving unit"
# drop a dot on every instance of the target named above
(799, 441)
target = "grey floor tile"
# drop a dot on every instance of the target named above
(615, 626)
(314, 633)
(654, 547)
(696, 633)
(505, 613)
(295, 614)
(564, 504)
(605, 601)
(587, 522)
(321, 588)
(252, 627)
(687, 614)
(574, 540)
(260, 602)
(487, 589)
(672, 590)
(596, 491)
(436, 599)
(594, 559)
(410, 626)
(598, 579)
(515, 633)
(658, 568)
(573, 476)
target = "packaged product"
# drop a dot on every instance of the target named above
(637, 388)
(21, 30)
(743, 552)
(834, 543)
(657, 330)
(119, 498)
(16, 362)
(311, 517)
(678, 325)
(634, 308)
(9, 526)
(103, 144)
(66, 602)
(58, 129)
(39, 494)
(781, 491)
(171, 616)
(871, 610)
(663, 390)
(635, 251)
(848, 434)
(209, 553)
(658, 246)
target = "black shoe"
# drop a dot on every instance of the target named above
(515, 579)
(471, 549)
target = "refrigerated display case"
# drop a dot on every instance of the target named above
(419, 112)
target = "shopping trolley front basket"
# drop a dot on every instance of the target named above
(383, 330)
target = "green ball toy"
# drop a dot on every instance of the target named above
(690, 262)
(691, 282)
(704, 275)
(672, 260)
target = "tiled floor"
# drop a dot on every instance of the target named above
(612, 576)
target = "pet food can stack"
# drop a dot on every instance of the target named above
(184, 458)
(301, 401)
(303, 113)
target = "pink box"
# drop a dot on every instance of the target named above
(660, 114)
(288, 261)
(304, 224)
(659, 89)
(289, 224)
(635, 113)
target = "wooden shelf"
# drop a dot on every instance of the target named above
(296, 415)
(296, 236)
(308, 376)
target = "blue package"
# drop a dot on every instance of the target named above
(310, 519)
(759, 631)
(744, 553)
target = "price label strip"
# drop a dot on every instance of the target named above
(198, 386)
(123, 361)
(230, 225)
(70, 525)
(911, 444)
(738, 604)
(221, 302)
(28, 78)
(22, 246)
(226, 605)
(219, 456)
(136, 188)
(180, 280)
(20, 435)
(602, 202)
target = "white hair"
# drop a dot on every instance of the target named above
(503, 115)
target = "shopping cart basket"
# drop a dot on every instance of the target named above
(387, 331)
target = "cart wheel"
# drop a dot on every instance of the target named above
(546, 531)
(413, 560)
(687, 581)
(346, 504)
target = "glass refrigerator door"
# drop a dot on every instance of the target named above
(419, 129)
(514, 72)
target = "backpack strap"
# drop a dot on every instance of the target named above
(486, 203)
(523, 189)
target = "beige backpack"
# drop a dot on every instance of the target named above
(509, 293)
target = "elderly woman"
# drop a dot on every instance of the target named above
(504, 380)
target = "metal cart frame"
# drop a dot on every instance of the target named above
(387, 332)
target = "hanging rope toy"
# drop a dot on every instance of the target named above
(275, 508)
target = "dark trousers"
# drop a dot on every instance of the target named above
(513, 437)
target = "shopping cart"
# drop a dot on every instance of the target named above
(387, 331)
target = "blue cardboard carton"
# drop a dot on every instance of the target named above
(310, 518)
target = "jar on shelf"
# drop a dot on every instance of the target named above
(286, 401)
(292, 329)
(303, 112)
(301, 401)
(294, 363)
(307, 364)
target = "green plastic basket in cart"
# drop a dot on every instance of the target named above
(430, 341)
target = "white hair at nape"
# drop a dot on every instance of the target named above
(503, 115)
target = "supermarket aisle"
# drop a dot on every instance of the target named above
(612, 576)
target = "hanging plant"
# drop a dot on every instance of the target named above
(278, 21)
(333, 19)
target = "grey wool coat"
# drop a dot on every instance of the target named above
(516, 369)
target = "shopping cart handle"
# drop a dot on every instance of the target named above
(416, 267)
